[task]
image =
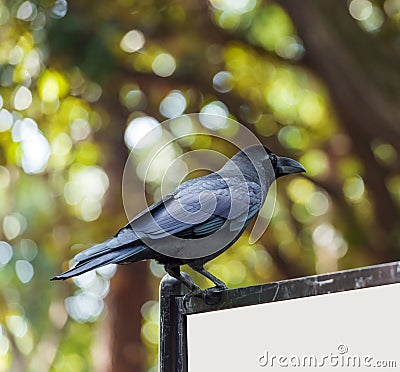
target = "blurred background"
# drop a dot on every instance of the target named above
(81, 82)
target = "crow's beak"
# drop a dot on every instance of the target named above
(288, 166)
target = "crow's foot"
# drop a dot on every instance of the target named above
(213, 295)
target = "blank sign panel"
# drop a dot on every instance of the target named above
(353, 330)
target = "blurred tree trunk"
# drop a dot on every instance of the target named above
(129, 287)
(364, 82)
(127, 295)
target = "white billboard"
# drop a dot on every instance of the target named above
(347, 331)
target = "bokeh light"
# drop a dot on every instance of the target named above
(215, 115)
(164, 65)
(132, 41)
(26, 11)
(234, 6)
(22, 98)
(173, 105)
(6, 253)
(223, 81)
(6, 120)
(85, 190)
(142, 132)
(24, 270)
(360, 9)
(59, 9)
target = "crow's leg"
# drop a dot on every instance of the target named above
(201, 270)
(175, 272)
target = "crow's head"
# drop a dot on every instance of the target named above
(259, 163)
(283, 166)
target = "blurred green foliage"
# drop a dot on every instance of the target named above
(74, 81)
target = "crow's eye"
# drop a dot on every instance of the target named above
(274, 159)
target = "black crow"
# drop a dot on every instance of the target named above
(197, 221)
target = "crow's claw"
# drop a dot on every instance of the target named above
(193, 293)
(213, 295)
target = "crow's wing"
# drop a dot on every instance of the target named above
(200, 210)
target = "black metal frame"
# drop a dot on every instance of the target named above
(174, 307)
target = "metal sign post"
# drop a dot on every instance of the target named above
(172, 346)
(174, 309)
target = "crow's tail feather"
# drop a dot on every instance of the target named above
(127, 254)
